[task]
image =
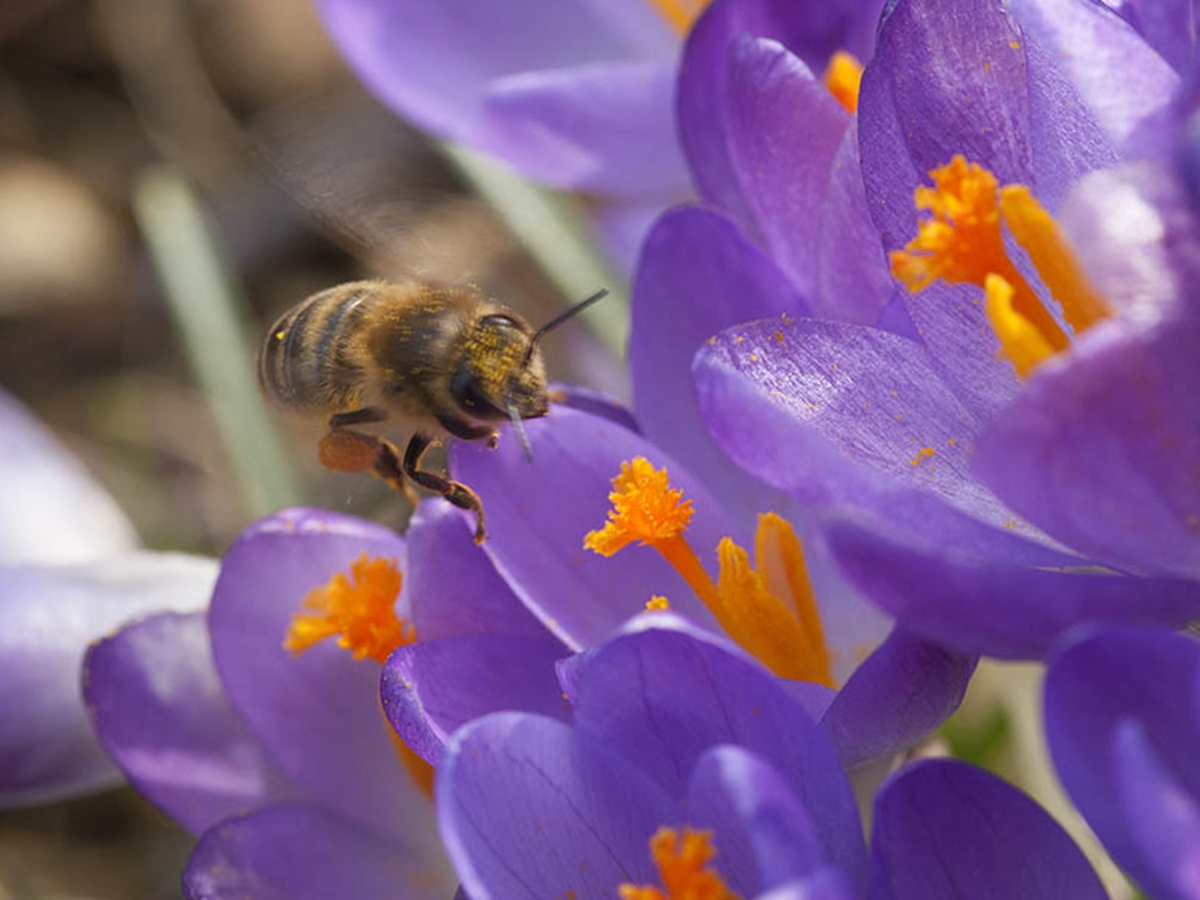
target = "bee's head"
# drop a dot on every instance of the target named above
(501, 374)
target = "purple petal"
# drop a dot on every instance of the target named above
(621, 228)
(764, 837)
(51, 614)
(159, 711)
(529, 809)
(662, 697)
(906, 688)
(431, 689)
(539, 512)
(317, 713)
(991, 607)
(51, 509)
(1094, 689)
(450, 584)
(785, 128)
(303, 853)
(698, 275)
(946, 829)
(1169, 26)
(852, 416)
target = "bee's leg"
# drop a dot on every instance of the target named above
(364, 416)
(467, 432)
(343, 450)
(458, 494)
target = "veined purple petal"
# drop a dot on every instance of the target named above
(604, 127)
(51, 509)
(1095, 688)
(538, 514)
(430, 689)
(294, 852)
(844, 415)
(764, 837)
(944, 829)
(450, 584)
(697, 276)
(992, 607)
(51, 614)
(901, 692)
(693, 694)
(317, 713)
(160, 712)
(1164, 819)
(528, 809)
(785, 128)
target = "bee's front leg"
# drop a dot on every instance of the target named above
(455, 492)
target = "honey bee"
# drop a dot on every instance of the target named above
(438, 360)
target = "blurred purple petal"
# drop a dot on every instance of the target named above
(539, 512)
(317, 713)
(293, 852)
(695, 694)
(430, 689)
(160, 712)
(51, 509)
(450, 584)
(905, 689)
(946, 829)
(1169, 26)
(992, 607)
(528, 809)
(698, 275)
(1097, 686)
(51, 614)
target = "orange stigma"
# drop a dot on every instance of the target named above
(360, 610)
(962, 242)
(843, 77)
(683, 868)
(768, 609)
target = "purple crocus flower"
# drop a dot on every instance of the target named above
(1123, 724)
(722, 792)
(893, 406)
(70, 570)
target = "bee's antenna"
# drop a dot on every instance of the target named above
(562, 317)
(519, 428)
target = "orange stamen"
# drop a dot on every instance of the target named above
(683, 868)
(679, 14)
(843, 77)
(360, 610)
(1020, 342)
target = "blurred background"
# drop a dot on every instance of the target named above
(173, 175)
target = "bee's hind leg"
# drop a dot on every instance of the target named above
(344, 450)
(457, 493)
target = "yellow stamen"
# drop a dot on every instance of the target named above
(1020, 342)
(1037, 232)
(679, 14)
(360, 609)
(843, 76)
(683, 868)
(962, 242)
(788, 639)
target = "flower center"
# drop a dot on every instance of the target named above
(359, 609)
(679, 14)
(769, 609)
(683, 869)
(962, 241)
(843, 76)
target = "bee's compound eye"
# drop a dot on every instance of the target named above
(466, 391)
(499, 320)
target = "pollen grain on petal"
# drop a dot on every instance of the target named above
(645, 509)
(683, 862)
(359, 609)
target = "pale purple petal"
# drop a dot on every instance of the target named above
(317, 713)
(992, 607)
(51, 614)
(698, 275)
(51, 509)
(1167, 25)
(528, 809)
(431, 689)
(293, 852)
(539, 512)
(906, 688)
(160, 712)
(943, 829)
